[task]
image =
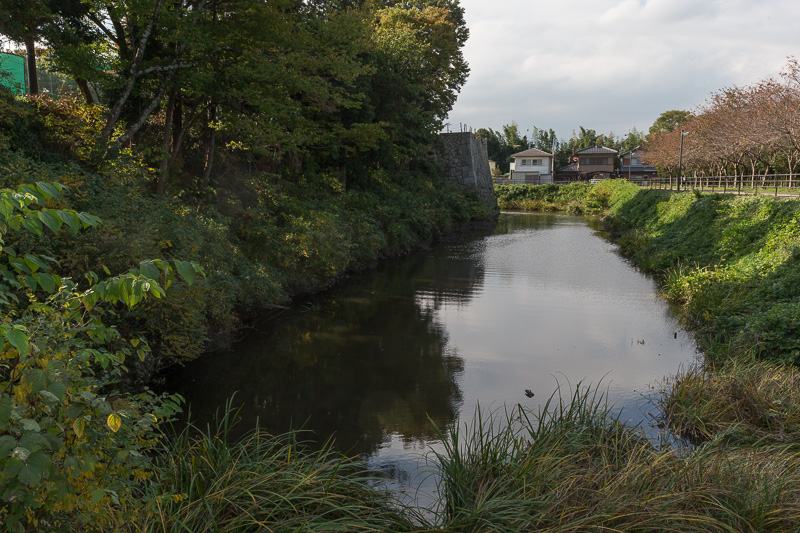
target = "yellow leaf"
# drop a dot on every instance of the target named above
(114, 422)
(78, 426)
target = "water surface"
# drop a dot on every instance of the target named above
(375, 362)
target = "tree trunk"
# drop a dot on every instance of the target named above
(83, 85)
(210, 145)
(177, 117)
(167, 140)
(33, 77)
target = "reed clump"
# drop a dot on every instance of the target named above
(744, 401)
(573, 466)
(262, 483)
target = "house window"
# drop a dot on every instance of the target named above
(595, 161)
(531, 162)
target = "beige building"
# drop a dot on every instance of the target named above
(595, 162)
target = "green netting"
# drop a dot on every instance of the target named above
(12, 73)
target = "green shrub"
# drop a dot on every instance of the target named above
(72, 446)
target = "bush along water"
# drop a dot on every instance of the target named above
(72, 444)
(574, 198)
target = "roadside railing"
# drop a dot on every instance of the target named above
(775, 184)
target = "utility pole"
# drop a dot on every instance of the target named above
(680, 160)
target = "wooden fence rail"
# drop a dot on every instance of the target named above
(777, 184)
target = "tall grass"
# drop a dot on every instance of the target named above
(573, 466)
(262, 483)
(744, 401)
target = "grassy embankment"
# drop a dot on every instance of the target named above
(261, 237)
(731, 263)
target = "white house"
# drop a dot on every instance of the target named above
(531, 166)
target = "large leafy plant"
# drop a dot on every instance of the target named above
(73, 448)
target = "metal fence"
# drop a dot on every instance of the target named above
(776, 184)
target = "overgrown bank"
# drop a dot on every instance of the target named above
(731, 263)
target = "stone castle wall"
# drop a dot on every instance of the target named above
(466, 164)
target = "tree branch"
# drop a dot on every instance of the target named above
(117, 110)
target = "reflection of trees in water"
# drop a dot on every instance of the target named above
(371, 361)
(524, 221)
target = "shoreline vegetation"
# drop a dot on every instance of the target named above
(227, 156)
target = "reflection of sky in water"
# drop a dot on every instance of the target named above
(557, 305)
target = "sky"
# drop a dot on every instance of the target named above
(612, 65)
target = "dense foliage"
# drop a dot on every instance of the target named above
(70, 443)
(286, 143)
(325, 89)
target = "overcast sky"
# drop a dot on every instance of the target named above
(610, 65)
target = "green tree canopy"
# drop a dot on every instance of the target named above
(669, 120)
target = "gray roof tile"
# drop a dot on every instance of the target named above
(596, 150)
(532, 152)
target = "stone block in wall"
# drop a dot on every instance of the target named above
(465, 163)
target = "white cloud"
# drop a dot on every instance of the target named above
(611, 65)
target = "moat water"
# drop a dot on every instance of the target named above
(542, 301)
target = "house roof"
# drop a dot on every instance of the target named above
(572, 167)
(637, 149)
(597, 150)
(532, 152)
